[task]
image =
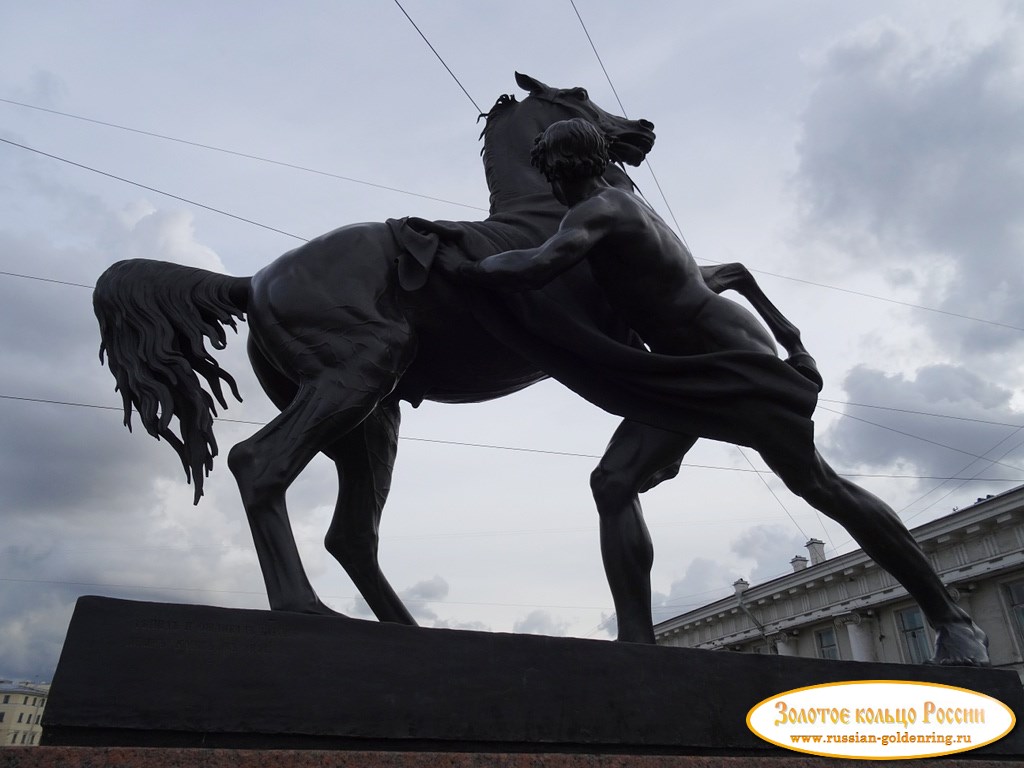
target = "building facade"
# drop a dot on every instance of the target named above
(21, 711)
(848, 608)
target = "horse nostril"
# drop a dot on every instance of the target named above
(647, 124)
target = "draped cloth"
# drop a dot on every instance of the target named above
(569, 332)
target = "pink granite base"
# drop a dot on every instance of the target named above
(129, 757)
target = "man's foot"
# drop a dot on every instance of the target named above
(960, 644)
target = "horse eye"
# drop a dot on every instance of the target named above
(581, 93)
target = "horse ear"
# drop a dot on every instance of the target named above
(530, 84)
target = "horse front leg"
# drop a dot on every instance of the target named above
(736, 277)
(365, 459)
(265, 466)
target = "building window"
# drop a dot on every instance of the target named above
(828, 648)
(20, 716)
(916, 646)
(1015, 590)
(14, 738)
(2, 716)
(7, 699)
(26, 701)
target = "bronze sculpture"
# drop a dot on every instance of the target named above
(651, 279)
(348, 325)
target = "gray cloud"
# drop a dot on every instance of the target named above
(540, 622)
(87, 507)
(940, 388)
(705, 580)
(417, 599)
(906, 163)
(770, 547)
(473, 626)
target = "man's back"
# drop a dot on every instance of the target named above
(650, 277)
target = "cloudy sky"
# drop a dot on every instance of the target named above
(867, 159)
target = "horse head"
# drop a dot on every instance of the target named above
(629, 140)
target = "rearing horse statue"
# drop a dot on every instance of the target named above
(346, 326)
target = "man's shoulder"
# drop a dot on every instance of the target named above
(613, 202)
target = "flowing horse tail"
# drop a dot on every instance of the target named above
(153, 316)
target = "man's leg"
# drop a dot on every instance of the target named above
(635, 455)
(884, 538)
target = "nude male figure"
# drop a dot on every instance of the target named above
(651, 279)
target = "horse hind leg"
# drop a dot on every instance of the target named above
(267, 463)
(364, 459)
(736, 277)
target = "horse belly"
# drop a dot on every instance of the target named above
(464, 365)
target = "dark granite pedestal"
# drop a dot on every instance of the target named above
(157, 675)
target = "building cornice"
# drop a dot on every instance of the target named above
(960, 526)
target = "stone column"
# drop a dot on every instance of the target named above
(860, 631)
(785, 644)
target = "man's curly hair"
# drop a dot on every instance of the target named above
(570, 149)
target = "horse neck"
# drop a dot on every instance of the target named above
(515, 185)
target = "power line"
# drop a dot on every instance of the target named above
(884, 298)
(893, 409)
(761, 271)
(154, 189)
(918, 437)
(970, 479)
(279, 231)
(964, 482)
(47, 280)
(518, 449)
(862, 294)
(414, 600)
(831, 410)
(679, 229)
(245, 155)
(438, 55)
(598, 55)
(770, 489)
(932, 414)
(622, 107)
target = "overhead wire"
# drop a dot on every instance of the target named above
(258, 224)
(863, 294)
(898, 302)
(647, 162)
(845, 290)
(274, 229)
(155, 190)
(682, 237)
(519, 449)
(154, 588)
(292, 235)
(917, 437)
(438, 55)
(245, 155)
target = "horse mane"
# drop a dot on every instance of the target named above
(500, 108)
(153, 318)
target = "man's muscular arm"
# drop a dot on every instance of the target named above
(582, 228)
